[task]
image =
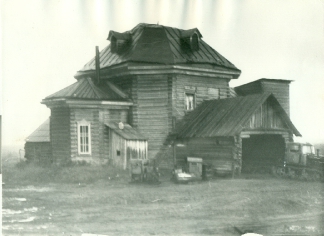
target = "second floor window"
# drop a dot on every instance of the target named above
(190, 101)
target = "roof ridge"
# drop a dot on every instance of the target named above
(94, 88)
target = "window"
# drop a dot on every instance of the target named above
(190, 101)
(194, 40)
(84, 138)
(308, 149)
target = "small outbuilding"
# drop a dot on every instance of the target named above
(38, 145)
(126, 144)
(236, 133)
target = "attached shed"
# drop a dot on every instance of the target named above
(38, 146)
(125, 143)
(236, 133)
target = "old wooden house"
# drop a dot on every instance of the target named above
(152, 91)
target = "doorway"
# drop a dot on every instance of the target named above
(261, 152)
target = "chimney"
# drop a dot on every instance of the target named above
(97, 65)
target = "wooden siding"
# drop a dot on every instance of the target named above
(38, 151)
(220, 152)
(279, 88)
(117, 144)
(266, 117)
(106, 115)
(159, 104)
(203, 88)
(60, 134)
(250, 88)
(150, 110)
(280, 91)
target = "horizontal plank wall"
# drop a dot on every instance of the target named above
(150, 110)
(91, 116)
(220, 152)
(204, 88)
(38, 151)
(60, 134)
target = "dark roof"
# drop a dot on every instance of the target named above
(227, 117)
(127, 132)
(86, 89)
(158, 44)
(41, 134)
(257, 82)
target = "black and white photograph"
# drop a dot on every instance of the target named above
(162, 117)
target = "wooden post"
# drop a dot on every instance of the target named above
(97, 65)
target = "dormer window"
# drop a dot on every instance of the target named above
(190, 39)
(194, 42)
(118, 41)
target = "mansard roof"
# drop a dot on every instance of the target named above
(157, 44)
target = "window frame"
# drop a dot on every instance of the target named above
(193, 102)
(84, 123)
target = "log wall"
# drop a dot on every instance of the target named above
(220, 152)
(150, 110)
(38, 151)
(159, 104)
(203, 88)
(60, 134)
(91, 116)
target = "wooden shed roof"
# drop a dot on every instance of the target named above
(127, 132)
(86, 89)
(41, 134)
(160, 45)
(227, 117)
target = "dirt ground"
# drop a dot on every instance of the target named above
(267, 206)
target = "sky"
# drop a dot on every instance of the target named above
(45, 42)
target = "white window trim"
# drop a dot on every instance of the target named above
(84, 123)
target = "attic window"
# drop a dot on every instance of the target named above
(119, 41)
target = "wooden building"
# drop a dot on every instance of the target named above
(152, 79)
(239, 132)
(38, 145)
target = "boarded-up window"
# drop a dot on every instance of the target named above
(84, 138)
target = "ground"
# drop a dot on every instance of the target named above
(111, 205)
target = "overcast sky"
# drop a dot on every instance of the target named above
(44, 43)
